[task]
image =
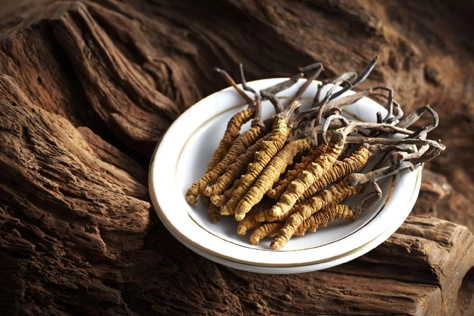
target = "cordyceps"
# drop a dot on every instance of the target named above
(270, 148)
(232, 132)
(271, 173)
(294, 172)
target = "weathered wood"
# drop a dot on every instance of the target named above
(417, 271)
(62, 208)
(121, 94)
(88, 88)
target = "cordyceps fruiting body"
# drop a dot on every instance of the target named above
(294, 172)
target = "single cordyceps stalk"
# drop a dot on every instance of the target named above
(359, 79)
(264, 230)
(271, 173)
(270, 147)
(315, 70)
(249, 222)
(213, 213)
(314, 171)
(266, 216)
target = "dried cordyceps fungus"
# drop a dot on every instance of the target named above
(293, 172)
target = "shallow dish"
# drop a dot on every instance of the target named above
(182, 156)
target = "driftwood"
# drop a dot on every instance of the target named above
(88, 88)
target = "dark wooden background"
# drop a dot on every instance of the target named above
(87, 88)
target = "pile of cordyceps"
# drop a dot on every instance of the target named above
(291, 173)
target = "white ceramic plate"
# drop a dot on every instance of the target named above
(183, 154)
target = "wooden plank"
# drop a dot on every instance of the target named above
(418, 271)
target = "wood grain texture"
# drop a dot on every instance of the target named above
(87, 89)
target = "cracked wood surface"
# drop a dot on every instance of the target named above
(88, 88)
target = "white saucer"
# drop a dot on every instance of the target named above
(182, 156)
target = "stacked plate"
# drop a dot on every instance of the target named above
(183, 154)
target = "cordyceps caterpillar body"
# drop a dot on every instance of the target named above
(291, 174)
(312, 173)
(239, 146)
(354, 163)
(334, 195)
(237, 168)
(270, 147)
(271, 173)
(311, 224)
